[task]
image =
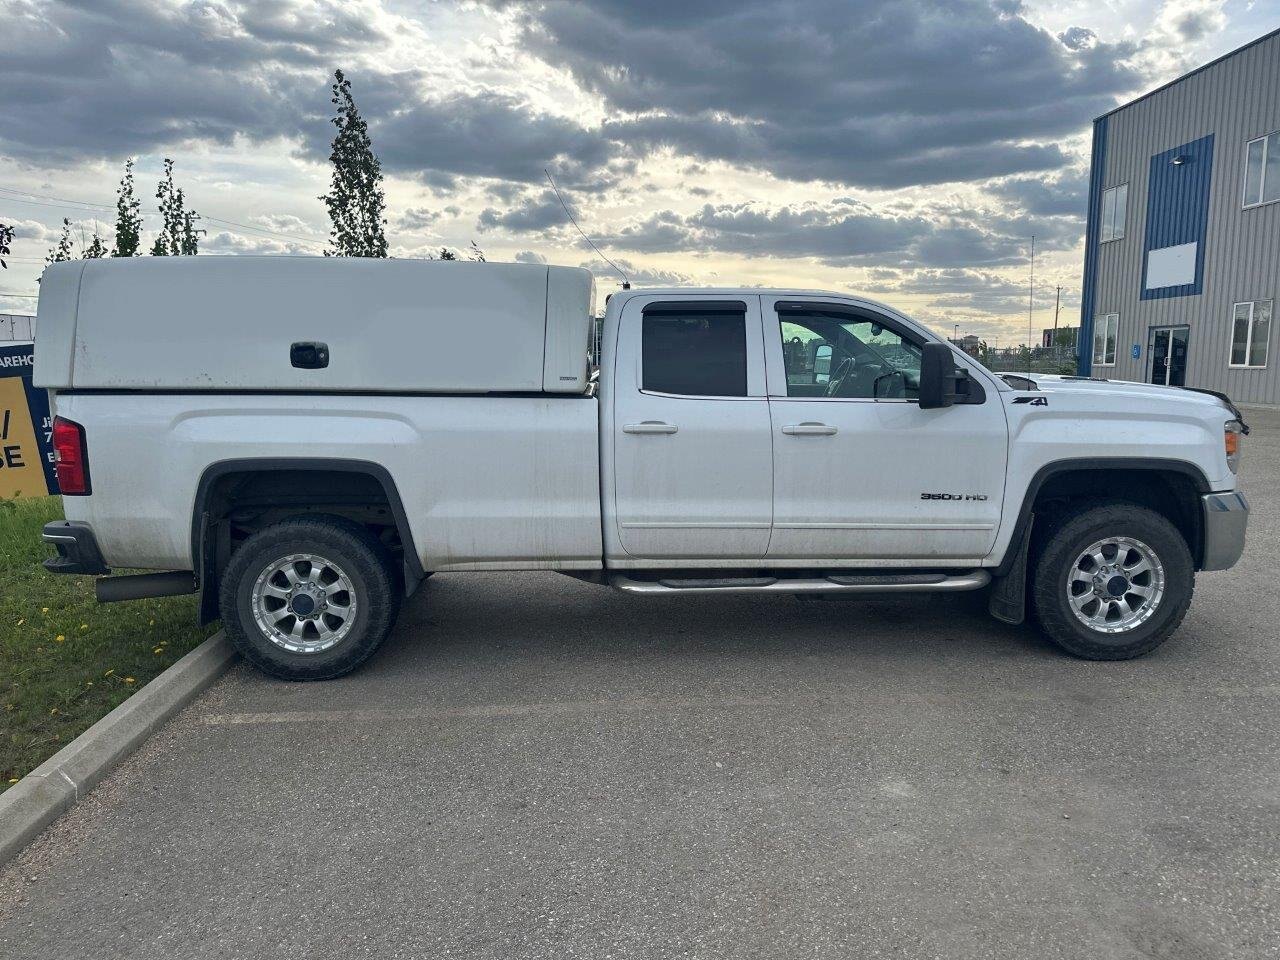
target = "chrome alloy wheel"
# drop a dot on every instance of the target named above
(304, 603)
(1115, 584)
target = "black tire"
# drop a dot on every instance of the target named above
(1063, 545)
(349, 546)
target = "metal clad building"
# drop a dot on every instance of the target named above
(1182, 257)
(16, 326)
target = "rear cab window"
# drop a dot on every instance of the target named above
(694, 350)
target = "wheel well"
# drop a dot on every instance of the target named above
(1171, 493)
(234, 501)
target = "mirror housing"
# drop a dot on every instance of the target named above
(938, 376)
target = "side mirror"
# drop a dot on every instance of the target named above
(937, 376)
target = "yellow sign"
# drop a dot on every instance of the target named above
(21, 472)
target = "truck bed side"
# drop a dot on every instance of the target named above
(485, 482)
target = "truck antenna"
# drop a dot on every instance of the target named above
(626, 284)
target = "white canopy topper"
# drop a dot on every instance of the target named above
(314, 324)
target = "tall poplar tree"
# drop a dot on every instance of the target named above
(355, 199)
(178, 234)
(128, 216)
(6, 240)
(64, 247)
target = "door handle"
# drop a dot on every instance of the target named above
(649, 426)
(808, 429)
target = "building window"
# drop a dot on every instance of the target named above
(1262, 170)
(1250, 333)
(1114, 203)
(1106, 330)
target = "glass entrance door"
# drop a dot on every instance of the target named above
(1167, 347)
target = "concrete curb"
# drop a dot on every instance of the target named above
(41, 796)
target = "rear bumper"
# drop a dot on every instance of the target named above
(1225, 517)
(77, 549)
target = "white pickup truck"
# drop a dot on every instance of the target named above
(303, 440)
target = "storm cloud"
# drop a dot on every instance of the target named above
(887, 93)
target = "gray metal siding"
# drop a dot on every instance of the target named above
(1236, 100)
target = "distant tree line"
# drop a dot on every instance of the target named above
(355, 202)
(178, 234)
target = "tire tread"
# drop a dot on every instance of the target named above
(1061, 539)
(373, 565)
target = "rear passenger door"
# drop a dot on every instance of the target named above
(693, 459)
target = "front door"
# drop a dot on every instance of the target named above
(693, 463)
(1167, 347)
(861, 473)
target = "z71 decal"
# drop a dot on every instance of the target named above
(1034, 401)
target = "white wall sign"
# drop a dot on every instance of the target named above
(1171, 266)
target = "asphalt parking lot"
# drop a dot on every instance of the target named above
(535, 767)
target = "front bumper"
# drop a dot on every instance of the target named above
(1225, 517)
(77, 549)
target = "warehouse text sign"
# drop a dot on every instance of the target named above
(26, 455)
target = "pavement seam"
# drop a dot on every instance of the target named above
(48, 791)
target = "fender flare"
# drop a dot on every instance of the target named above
(1052, 469)
(202, 547)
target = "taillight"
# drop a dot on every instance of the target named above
(70, 458)
(1233, 440)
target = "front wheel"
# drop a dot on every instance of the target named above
(309, 599)
(1113, 581)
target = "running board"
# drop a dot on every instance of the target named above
(838, 583)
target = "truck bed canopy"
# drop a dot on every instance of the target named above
(394, 326)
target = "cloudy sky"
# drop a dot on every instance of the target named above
(904, 149)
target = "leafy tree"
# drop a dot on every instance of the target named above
(64, 248)
(475, 253)
(190, 237)
(446, 254)
(96, 249)
(6, 240)
(178, 233)
(355, 199)
(128, 217)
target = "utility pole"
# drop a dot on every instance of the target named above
(1057, 303)
(1031, 305)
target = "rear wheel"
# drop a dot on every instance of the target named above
(1112, 581)
(309, 599)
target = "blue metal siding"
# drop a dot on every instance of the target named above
(1178, 209)
(1088, 286)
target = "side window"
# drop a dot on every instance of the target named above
(1106, 328)
(694, 353)
(843, 357)
(1262, 170)
(1114, 207)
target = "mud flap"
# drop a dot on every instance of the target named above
(1008, 599)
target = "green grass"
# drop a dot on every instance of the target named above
(65, 659)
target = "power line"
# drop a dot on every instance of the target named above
(40, 200)
(44, 200)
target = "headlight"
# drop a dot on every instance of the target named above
(1233, 441)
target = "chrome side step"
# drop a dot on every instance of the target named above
(838, 583)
